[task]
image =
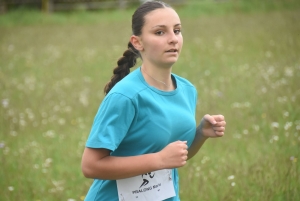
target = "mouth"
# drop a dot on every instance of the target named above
(172, 50)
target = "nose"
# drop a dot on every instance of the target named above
(173, 38)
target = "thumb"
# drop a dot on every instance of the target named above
(210, 119)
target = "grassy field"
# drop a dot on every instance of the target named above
(243, 59)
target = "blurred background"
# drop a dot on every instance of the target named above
(243, 56)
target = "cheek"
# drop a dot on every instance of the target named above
(180, 40)
(154, 47)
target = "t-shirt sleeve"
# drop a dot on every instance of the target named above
(111, 122)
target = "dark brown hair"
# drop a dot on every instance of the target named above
(130, 56)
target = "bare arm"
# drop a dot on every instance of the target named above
(211, 126)
(98, 163)
(197, 143)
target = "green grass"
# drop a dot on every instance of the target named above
(244, 62)
(191, 9)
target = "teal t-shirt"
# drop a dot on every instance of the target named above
(135, 118)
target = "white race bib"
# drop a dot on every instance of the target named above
(153, 186)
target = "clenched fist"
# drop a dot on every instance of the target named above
(173, 155)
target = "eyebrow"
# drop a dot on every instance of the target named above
(163, 26)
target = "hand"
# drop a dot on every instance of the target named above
(173, 155)
(213, 125)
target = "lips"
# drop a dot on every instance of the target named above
(172, 50)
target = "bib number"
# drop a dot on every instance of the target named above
(153, 186)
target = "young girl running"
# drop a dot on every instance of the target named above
(145, 127)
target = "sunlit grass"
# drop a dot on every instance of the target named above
(244, 65)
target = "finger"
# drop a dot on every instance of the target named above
(220, 123)
(183, 143)
(183, 154)
(179, 142)
(218, 117)
(184, 149)
(219, 134)
(219, 129)
(210, 119)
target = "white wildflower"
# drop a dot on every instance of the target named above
(11, 188)
(275, 124)
(5, 103)
(288, 125)
(231, 177)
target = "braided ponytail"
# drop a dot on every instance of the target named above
(126, 62)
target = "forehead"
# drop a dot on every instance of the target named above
(162, 16)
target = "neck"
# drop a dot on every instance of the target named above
(159, 78)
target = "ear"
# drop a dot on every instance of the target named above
(136, 42)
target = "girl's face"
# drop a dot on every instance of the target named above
(161, 38)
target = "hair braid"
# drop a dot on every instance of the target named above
(126, 62)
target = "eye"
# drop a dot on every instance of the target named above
(159, 33)
(177, 31)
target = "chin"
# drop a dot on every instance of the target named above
(168, 64)
(171, 61)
